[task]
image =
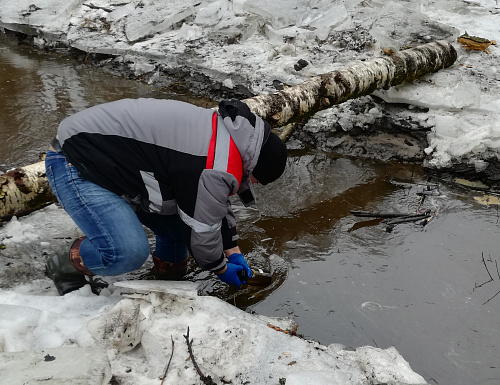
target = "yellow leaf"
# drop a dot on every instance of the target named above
(488, 200)
(470, 183)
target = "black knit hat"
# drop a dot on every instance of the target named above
(272, 160)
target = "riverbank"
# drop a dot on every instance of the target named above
(447, 121)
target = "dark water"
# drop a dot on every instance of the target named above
(429, 291)
(425, 290)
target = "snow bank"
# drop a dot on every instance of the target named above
(136, 321)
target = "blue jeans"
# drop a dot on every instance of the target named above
(116, 242)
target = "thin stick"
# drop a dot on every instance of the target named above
(491, 278)
(406, 219)
(191, 355)
(484, 262)
(387, 215)
(422, 198)
(207, 380)
(169, 361)
(376, 215)
(491, 298)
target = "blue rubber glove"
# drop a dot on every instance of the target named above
(230, 276)
(238, 259)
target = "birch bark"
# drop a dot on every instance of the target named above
(23, 190)
(299, 102)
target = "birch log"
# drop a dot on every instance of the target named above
(320, 92)
(23, 190)
(27, 188)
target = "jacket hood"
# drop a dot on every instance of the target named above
(249, 132)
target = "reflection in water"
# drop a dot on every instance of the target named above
(312, 205)
(320, 217)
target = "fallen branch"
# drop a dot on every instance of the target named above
(409, 217)
(296, 103)
(392, 219)
(372, 214)
(169, 361)
(292, 332)
(360, 225)
(24, 190)
(207, 380)
(476, 286)
(406, 219)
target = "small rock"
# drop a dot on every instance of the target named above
(300, 65)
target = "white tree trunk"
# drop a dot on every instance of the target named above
(299, 102)
(25, 189)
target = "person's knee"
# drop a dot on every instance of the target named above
(135, 255)
(126, 257)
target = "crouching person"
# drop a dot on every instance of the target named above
(167, 165)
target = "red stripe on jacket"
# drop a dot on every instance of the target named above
(234, 161)
(213, 140)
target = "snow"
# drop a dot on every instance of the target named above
(253, 43)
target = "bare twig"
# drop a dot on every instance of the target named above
(169, 361)
(405, 219)
(476, 286)
(391, 219)
(376, 214)
(491, 278)
(421, 201)
(207, 380)
(92, 6)
(388, 215)
(371, 222)
(491, 298)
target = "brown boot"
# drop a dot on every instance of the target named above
(169, 271)
(67, 270)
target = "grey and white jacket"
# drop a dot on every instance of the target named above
(169, 157)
